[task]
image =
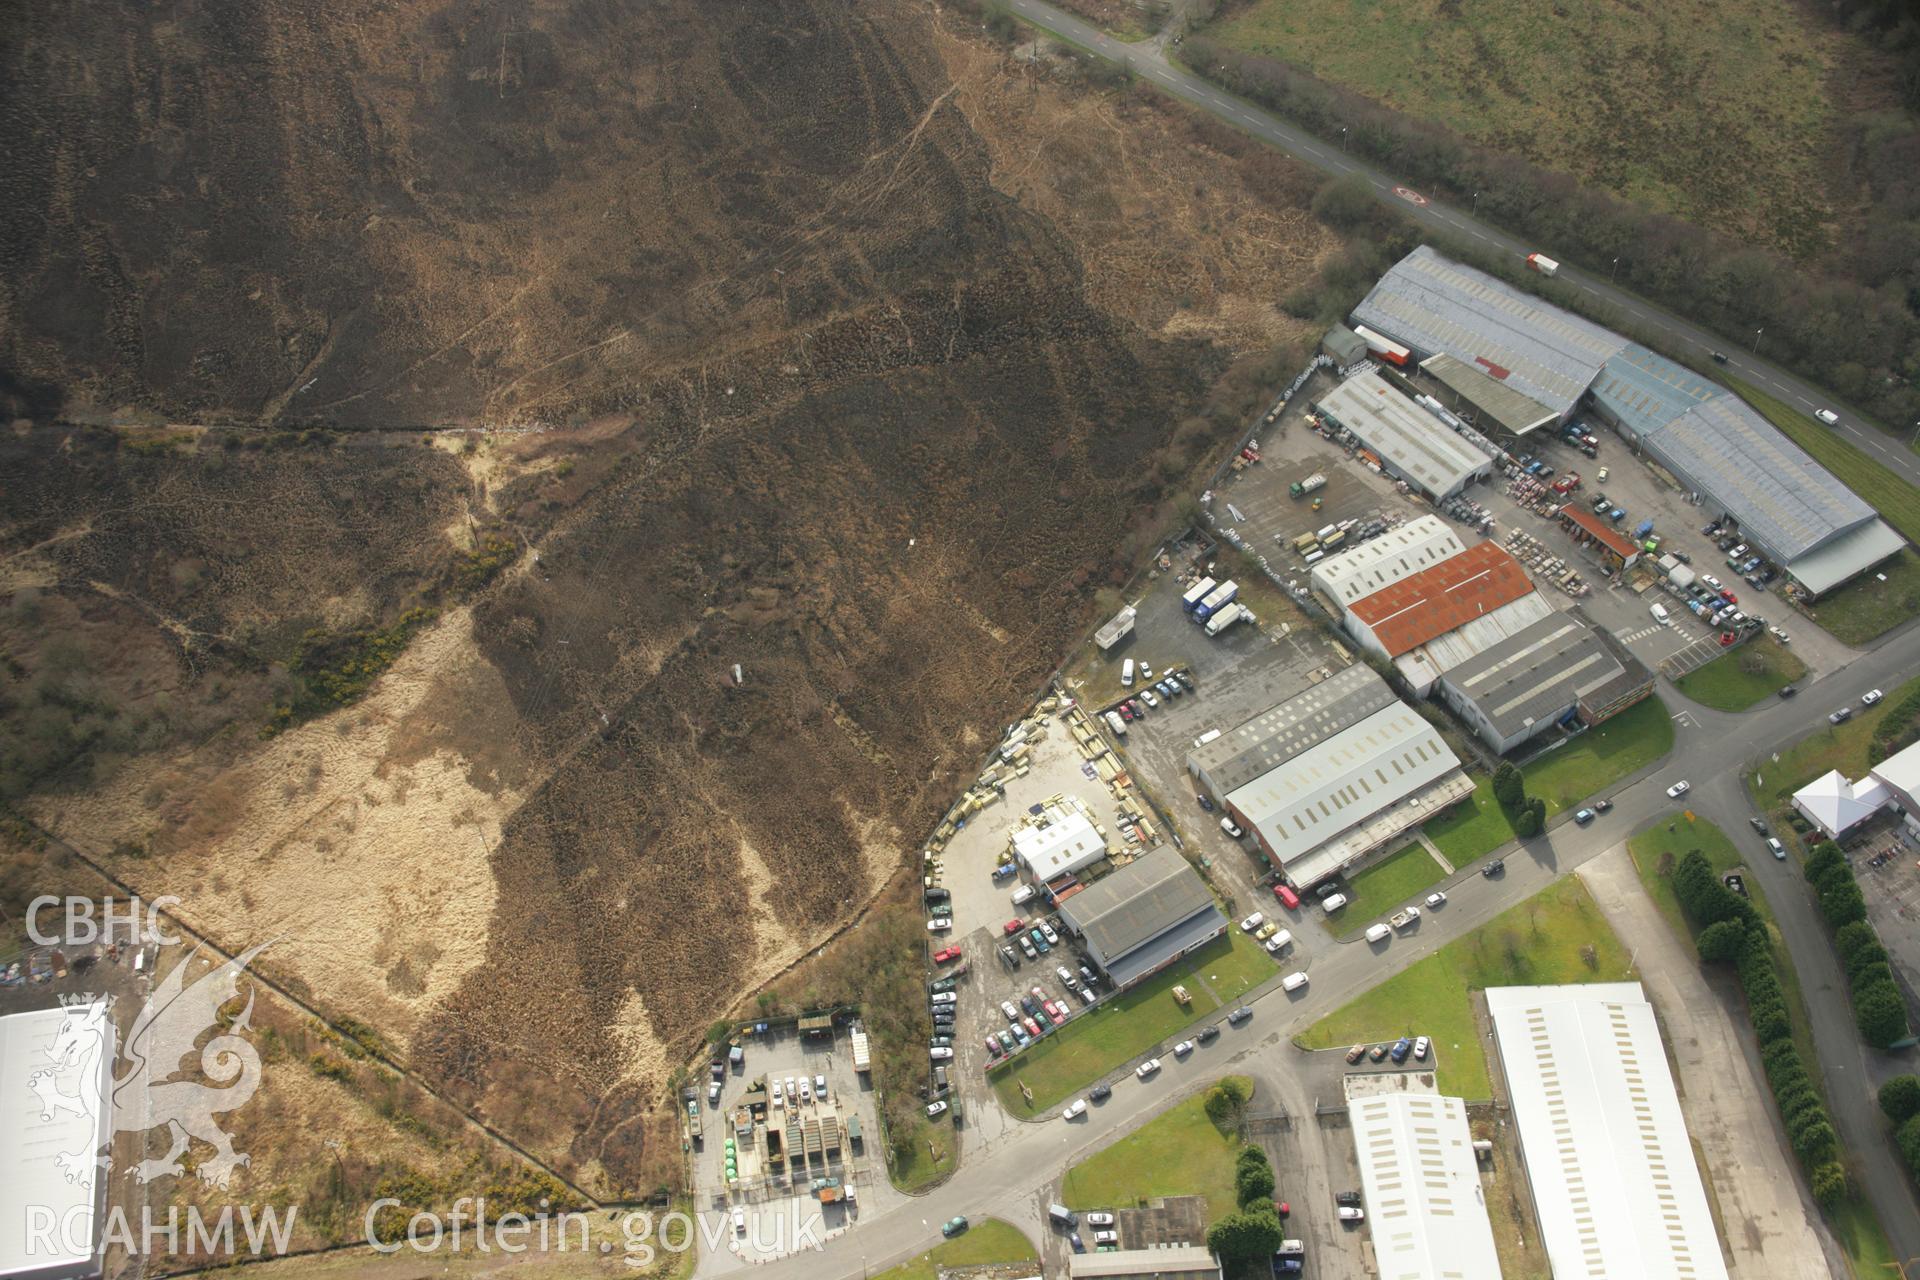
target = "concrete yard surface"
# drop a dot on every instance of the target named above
(1764, 1213)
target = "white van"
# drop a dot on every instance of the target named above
(1023, 895)
(1333, 902)
(1378, 933)
(1294, 981)
(1659, 612)
(1126, 673)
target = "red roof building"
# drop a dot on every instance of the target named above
(1616, 550)
(1416, 609)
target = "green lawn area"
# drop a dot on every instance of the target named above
(934, 1143)
(1727, 684)
(1096, 1042)
(1878, 486)
(1482, 75)
(1180, 1154)
(1853, 1223)
(1867, 608)
(986, 1241)
(1390, 883)
(1592, 762)
(1842, 747)
(1537, 942)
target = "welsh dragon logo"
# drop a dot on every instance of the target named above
(146, 1095)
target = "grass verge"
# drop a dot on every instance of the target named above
(1183, 1153)
(1735, 681)
(1556, 936)
(1836, 746)
(1564, 777)
(1388, 884)
(934, 1144)
(1868, 607)
(983, 1243)
(1126, 1026)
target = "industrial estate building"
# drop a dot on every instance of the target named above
(1426, 1209)
(1601, 1133)
(1507, 360)
(1340, 776)
(1379, 562)
(31, 1138)
(1058, 841)
(1436, 306)
(1144, 916)
(1837, 806)
(1789, 507)
(1559, 671)
(1410, 443)
(1432, 620)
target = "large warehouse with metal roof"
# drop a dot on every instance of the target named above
(1434, 305)
(1333, 804)
(1396, 554)
(1793, 510)
(1424, 606)
(1412, 444)
(1426, 1209)
(1282, 732)
(1144, 916)
(1559, 670)
(1602, 1134)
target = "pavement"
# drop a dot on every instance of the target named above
(1148, 60)
(1010, 1174)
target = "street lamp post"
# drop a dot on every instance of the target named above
(1343, 137)
(1756, 340)
(1476, 204)
(1615, 273)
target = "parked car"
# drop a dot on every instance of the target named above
(1401, 1048)
(1679, 789)
(1787, 691)
(1603, 806)
(1207, 1035)
(1294, 981)
(1033, 1027)
(1758, 824)
(1437, 898)
(940, 924)
(1147, 1068)
(1583, 817)
(943, 984)
(1378, 1053)
(934, 1109)
(1046, 931)
(1349, 1213)
(1870, 697)
(1777, 849)
(1146, 696)
(1841, 716)
(1420, 1046)
(1494, 868)
(1241, 1014)
(1333, 902)
(1279, 942)
(946, 954)
(952, 1226)
(1099, 1093)
(1182, 1049)
(1252, 922)
(1288, 898)
(1204, 802)
(938, 997)
(1231, 828)
(1827, 416)
(940, 1054)
(1356, 1053)
(1346, 1197)
(1098, 1219)
(1076, 1110)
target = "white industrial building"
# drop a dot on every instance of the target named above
(1602, 1135)
(1836, 805)
(1430, 621)
(1426, 1208)
(1326, 808)
(1412, 444)
(1380, 562)
(31, 1140)
(1063, 841)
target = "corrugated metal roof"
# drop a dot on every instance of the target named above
(1425, 1208)
(1593, 524)
(1644, 390)
(1505, 405)
(1282, 732)
(1435, 305)
(1433, 602)
(1148, 896)
(1784, 500)
(1411, 441)
(1538, 674)
(1425, 663)
(1192, 1260)
(1851, 553)
(1390, 557)
(1605, 1141)
(1345, 780)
